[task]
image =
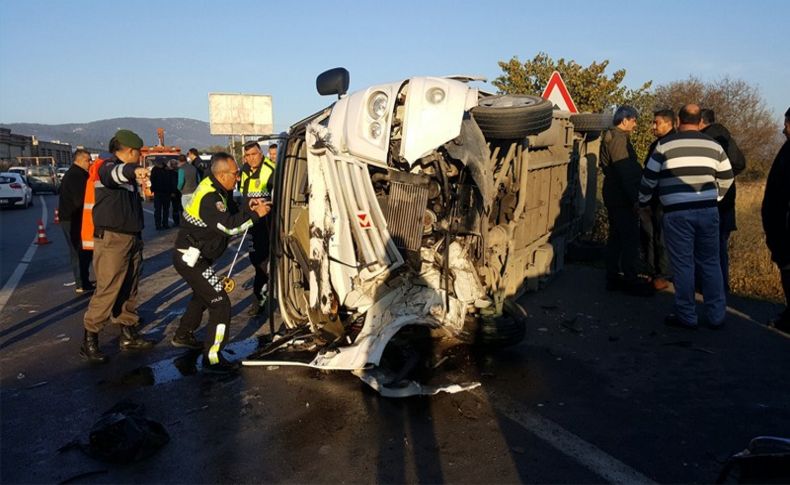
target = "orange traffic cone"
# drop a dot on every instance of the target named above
(42, 236)
(57, 217)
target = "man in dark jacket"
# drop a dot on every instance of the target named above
(161, 187)
(718, 132)
(118, 248)
(175, 194)
(776, 220)
(652, 236)
(72, 195)
(210, 219)
(622, 174)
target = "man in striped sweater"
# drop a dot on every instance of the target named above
(689, 172)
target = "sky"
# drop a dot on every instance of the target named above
(78, 61)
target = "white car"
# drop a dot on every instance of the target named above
(14, 190)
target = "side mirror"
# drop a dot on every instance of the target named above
(333, 81)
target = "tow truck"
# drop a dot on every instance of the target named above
(150, 155)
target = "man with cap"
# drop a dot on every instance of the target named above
(118, 248)
(622, 174)
(210, 219)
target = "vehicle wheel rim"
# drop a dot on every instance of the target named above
(510, 101)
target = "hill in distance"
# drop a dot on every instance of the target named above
(184, 132)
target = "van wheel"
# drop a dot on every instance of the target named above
(504, 330)
(591, 122)
(510, 117)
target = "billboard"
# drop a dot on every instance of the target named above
(240, 114)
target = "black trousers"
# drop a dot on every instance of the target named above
(785, 275)
(80, 259)
(161, 209)
(259, 256)
(175, 201)
(207, 294)
(653, 250)
(622, 245)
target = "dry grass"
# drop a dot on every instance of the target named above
(752, 273)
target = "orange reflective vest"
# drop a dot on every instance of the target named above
(87, 206)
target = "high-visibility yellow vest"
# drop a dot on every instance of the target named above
(192, 210)
(259, 186)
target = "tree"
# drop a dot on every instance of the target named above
(739, 107)
(592, 90)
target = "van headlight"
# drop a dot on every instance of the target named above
(377, 105)
(375, 129)
(435, 95)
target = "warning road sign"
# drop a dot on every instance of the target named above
(558, 94)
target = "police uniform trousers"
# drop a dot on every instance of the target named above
(259, 255)
(117, 261)
(207, 294)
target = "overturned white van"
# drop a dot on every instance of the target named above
(424, 203)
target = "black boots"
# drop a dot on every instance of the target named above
(131, 340)
(90, 348)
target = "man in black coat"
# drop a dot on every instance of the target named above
(161, 187)
(622, 174)
(776, 220)
(175, 194)
(718, 132)
(71, 199)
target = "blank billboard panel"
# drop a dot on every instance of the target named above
(240, 114)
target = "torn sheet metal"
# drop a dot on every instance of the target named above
(375, 378)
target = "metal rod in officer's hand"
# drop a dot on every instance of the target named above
(241, 243)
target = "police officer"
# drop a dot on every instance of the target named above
(210, 219)
(256, 184)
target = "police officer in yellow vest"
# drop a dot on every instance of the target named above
(256, 183)
(210, 219)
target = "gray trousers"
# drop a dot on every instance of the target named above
(118, 262)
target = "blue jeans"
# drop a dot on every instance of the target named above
(724, 256)
(692, 236)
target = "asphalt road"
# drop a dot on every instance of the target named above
(599, 391)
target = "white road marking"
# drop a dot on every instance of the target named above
(149, 211)
(16, 276)
(586, 454)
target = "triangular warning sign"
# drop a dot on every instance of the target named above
(558, 94)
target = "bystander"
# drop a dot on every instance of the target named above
(718, 132)
(620, 193)
(776, 220)
(70, 206)
(655, 255)
(160, 186)
(690, 172)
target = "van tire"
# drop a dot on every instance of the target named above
(505, 330)
(511, 117)
(591, 122)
